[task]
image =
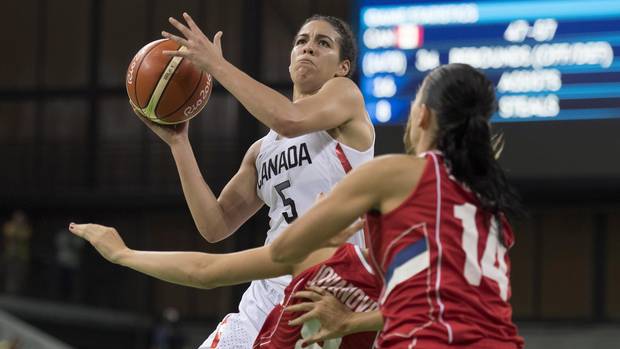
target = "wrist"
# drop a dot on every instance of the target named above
(349, 325)
(179, 143)
(123, 256)
(217, 67)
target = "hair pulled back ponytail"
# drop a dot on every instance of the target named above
(463, 100)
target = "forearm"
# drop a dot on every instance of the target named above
(364, 322)
(182, 268)
(270, 107)
(310, 231)
(208, 216)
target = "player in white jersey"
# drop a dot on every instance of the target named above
(314, 140)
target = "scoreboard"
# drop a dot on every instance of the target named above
(549, 59)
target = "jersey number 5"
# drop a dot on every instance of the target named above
(287, 202)
(494, 251)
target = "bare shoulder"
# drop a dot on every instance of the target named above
(390, 178)
(373, 174)
(356, 131)
(253, 150)
(343, 88)
(342, 82)
(394, 164)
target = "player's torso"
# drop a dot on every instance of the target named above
(348, 277)
(292, 172)
(445, 276)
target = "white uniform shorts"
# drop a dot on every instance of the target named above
(239, 330)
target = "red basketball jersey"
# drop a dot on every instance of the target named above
(445, 272)
(347, 276)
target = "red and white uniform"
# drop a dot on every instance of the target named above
(347, 276)
(445, 272)
(291, 173)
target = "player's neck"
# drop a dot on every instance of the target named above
(426, 143)
(299, 93)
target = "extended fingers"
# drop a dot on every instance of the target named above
(180, 27)
(308, 294)
(179, 40)
(316, 289)
(191, 23)
(302, 318)
(85, 231)
(78, 229)
(299, 307)
(178, 53)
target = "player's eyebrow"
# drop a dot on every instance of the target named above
(319, 36)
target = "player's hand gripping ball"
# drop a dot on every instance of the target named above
(166, 90)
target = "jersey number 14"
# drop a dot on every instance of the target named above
(494, 251)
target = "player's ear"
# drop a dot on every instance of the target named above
(424, 119)
(343, 68)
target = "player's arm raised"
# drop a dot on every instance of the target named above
(218, 218)
(338, 102)
(215, 218)
(195, 269)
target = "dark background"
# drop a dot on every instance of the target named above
(72, 151)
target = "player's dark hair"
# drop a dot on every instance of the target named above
(463, 100)
(348, 47)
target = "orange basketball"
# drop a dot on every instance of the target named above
(166, 90)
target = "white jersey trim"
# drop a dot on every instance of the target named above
(365, 263)
(442, 307)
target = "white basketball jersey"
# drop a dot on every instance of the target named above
(292, 172)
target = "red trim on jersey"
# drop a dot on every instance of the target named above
(346, 165)
(216, 340)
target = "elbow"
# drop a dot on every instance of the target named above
(207, 285)
(212, 236)
(203, 280)
(210, 239)
(207, 236)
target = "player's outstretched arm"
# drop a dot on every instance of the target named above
(349, 199)
(370, 186)
(195, 269)
(336, 103)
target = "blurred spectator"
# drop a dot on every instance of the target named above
(166, 334)
(68, 262)
(9, 344)
(16, 254)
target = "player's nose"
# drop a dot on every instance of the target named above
(308, 48)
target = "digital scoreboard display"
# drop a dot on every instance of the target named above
(549, 59)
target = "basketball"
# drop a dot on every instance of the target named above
(166, 90)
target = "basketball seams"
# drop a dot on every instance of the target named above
(166, 105)
(163, 117)
(137, 75)
(191, 95)
(163, 71)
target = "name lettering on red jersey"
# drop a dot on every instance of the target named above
(353, 297)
